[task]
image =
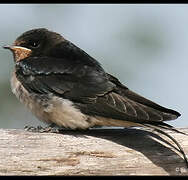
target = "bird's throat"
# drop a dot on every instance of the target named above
(20, 52)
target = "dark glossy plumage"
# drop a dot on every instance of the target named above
(67, 71)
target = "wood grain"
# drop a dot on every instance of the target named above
(91, 152)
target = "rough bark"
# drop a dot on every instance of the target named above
(91, 152)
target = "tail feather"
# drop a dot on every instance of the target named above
(163, 125)
(159, 127)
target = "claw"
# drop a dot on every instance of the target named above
(40, 129)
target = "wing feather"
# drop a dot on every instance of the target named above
(78, 77)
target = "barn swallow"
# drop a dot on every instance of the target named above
(61, 84)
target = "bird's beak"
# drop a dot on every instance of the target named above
(19, 52)
(7, 47)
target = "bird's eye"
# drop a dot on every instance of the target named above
(34, 44)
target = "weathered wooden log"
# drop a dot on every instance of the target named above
(91, 152)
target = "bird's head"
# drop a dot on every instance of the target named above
(35, 42)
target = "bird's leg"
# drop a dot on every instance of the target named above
(52, 128)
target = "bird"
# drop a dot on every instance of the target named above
(62, 85)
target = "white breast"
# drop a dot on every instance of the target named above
(54, 110)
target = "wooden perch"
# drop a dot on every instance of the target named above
(91, 152)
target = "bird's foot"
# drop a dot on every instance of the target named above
(49, 129)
